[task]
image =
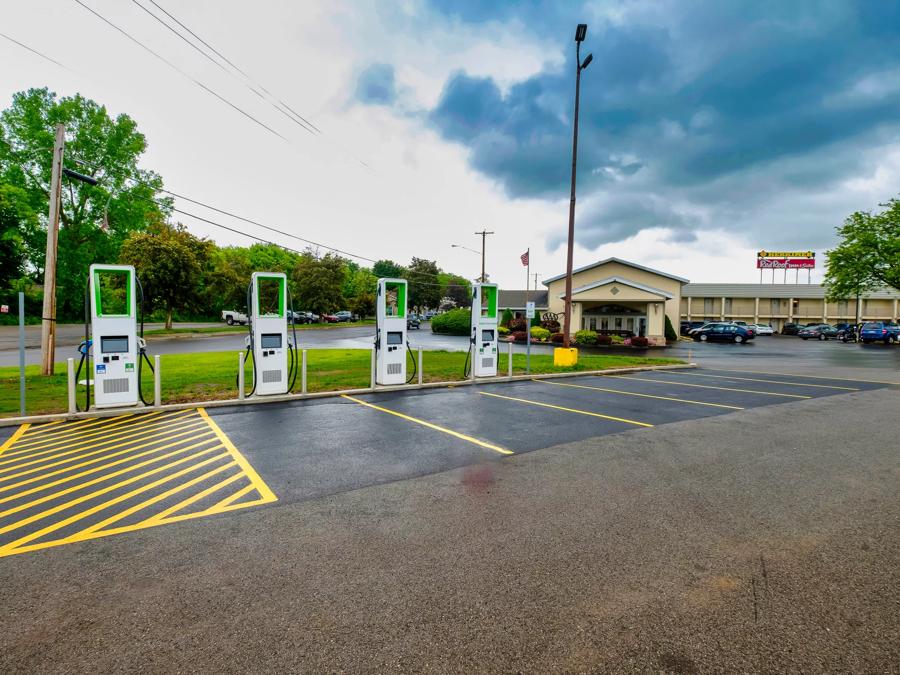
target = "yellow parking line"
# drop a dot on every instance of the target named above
(83, 431)
(149, 522)
(94, 481)
(40, 428)
(10, 547)
(185, 430)
(818, 377)
(8, 443)
(184, 503)
(632, 393)
(215, 508)
(572, 410)
(469, 439)
(704, 386)
(756, 379)
(265, 492)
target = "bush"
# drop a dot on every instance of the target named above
(539, 333)
(454, 322)
(671, 335)
(519, 335)
(586, 337)
(557, 337)
(518, 325)
(536, 321)
(640, 341)
(552, 326)
(604, 340)
(617, 339)
(507, 317)
(502, 330)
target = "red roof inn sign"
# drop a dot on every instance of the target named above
(785, 260)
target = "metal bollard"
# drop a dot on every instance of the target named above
(419, 369)
(70, 365)
(472, 361)
(157, 382)
(303, 372)
(372, 371)
(240, 376)
(509, 359)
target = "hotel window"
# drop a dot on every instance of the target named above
(708, 306)
(728, 305)
(843, 310)
(775, 306)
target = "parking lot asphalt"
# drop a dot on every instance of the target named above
(692, 520)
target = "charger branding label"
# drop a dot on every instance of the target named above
(129, 367)
(101, 368)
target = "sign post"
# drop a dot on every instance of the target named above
(529, 315)
(22, 353)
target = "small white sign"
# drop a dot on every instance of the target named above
(4, 309)
(529, 310)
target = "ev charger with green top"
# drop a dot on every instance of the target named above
(390, 332)
(268, 341)
(484, 329)
(114, 339)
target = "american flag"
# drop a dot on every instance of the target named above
(524, 258)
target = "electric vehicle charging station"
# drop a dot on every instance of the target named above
(114, 341)
(483, 337)
(274, 353)
(390, 332)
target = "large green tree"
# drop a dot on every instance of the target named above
(17, 221)
(424, 286)
(319, 281)
(94, 220)
(457, 288)
(169, 262)
(868, 256)
(388, 269)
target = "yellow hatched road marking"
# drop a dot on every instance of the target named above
(755, 379)
(95, 481)
(49, 425)
(8, 443)
(155, 499)
(184, 503)
(571, 410)
(817, 377)
(163, 433)
(125, 460)
(416, 420)
(109, 488)
(703, 386)
(233, 498)
(99, 435)
(632, 393)
(265, 492)
(10, 547)
(87, 430)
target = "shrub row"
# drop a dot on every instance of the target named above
(454, 322)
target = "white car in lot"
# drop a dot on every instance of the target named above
(762, 329)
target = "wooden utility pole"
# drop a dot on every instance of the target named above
(48, 317)
(484, 234)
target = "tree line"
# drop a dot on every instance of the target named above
(126, 217)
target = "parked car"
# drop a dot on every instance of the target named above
(847, 332)
(430, 314)
(412, 321)
(819, 331)
(762, 329)
(790, 329)
(344, 315)
(329, 318)
(722, 332)
(884, 331)
(688, 326)
(232, 317)
(298, 317)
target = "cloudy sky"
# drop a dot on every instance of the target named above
(708, 129)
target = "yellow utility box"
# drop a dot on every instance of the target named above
(565, 356)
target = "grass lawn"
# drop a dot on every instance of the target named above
(224, 328)
(211, 375)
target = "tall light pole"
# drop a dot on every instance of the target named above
(580, 33)
(484, 234)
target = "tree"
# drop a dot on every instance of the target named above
(458, 289)
(169, 262)
(227, 277)
(507, 317)
(868, 256)
(94, 220)
(424, 288)
(17, 220)
(388, 269)
(319, 282)
(363, 304)
(358, 280)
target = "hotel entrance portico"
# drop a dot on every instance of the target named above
(615, 318)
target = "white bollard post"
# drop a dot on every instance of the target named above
(372, 370)
(419, 368)
(509, 359)
(303, 372)
(240, 376)
(70, 365)
(157, 382)
(472, 352)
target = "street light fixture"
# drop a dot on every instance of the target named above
(580, 34)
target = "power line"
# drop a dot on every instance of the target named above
(302, 125)
(231, 63)
(34, 51)
(180, 71)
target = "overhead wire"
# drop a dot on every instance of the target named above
(35, 51)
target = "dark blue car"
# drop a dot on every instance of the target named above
(880, 331)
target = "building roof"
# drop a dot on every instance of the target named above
(547, 282)
(619, 280)
(516, 299)
(772, 291)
